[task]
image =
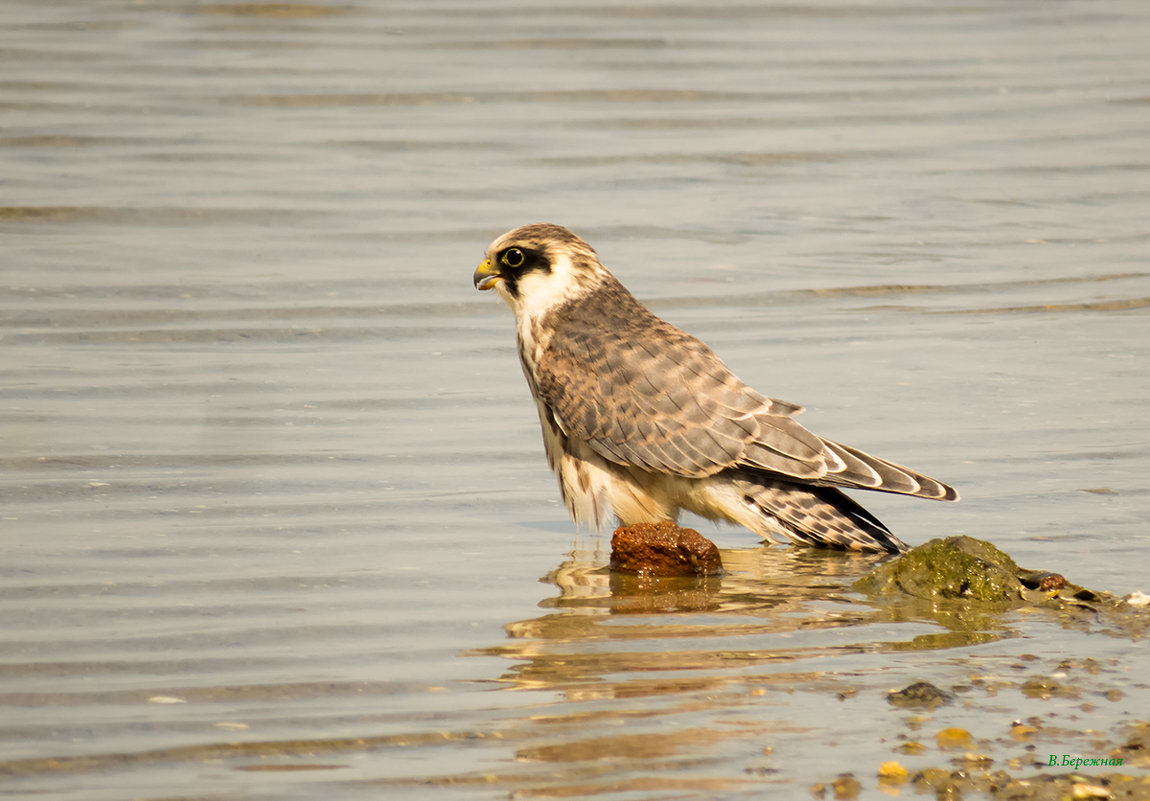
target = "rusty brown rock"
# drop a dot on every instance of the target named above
(663, 549)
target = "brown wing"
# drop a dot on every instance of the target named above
(642, 392)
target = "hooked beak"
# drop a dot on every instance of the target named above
(486, 274)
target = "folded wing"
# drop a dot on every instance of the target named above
(642, 392)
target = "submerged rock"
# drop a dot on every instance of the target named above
(965, 580)
(963, 568)
(954, 737)
(956, 567)
(921, 694)
(663, 549)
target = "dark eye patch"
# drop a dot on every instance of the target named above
(517, 261)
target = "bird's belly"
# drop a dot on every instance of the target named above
(594, 489)
(718, 498)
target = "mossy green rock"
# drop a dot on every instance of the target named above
(961, 578)
(956, 567)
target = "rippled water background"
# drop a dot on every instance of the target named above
(274, 506)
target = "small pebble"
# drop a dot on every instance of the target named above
(911, 748)
(846, 788)
(920, 694)
(1022, 732)
(973, 759)
(931, 777)
(1045, 689)
(1137, 598)
(892, 772)
(952, 738)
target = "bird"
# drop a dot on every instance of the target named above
(642, 421)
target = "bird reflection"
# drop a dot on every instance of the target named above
(654, 676)
(771, 606)
(604, 623)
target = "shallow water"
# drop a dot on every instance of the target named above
(275, 515)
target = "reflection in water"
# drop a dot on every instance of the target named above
(600, 618)
(639, 684)
(666, 675)
(619, 636)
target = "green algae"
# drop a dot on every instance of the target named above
(955, 567)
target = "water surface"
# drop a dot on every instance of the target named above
(275, 516)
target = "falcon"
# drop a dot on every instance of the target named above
(642, 420)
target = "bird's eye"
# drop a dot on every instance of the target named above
(513, 258)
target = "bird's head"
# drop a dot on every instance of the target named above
(537, 267)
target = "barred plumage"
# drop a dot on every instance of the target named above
(642, 420)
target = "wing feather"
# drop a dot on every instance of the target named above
(642, 392)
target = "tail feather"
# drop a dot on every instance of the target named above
(812, 515)
(863, 471)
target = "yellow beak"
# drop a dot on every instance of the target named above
(486, 274)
